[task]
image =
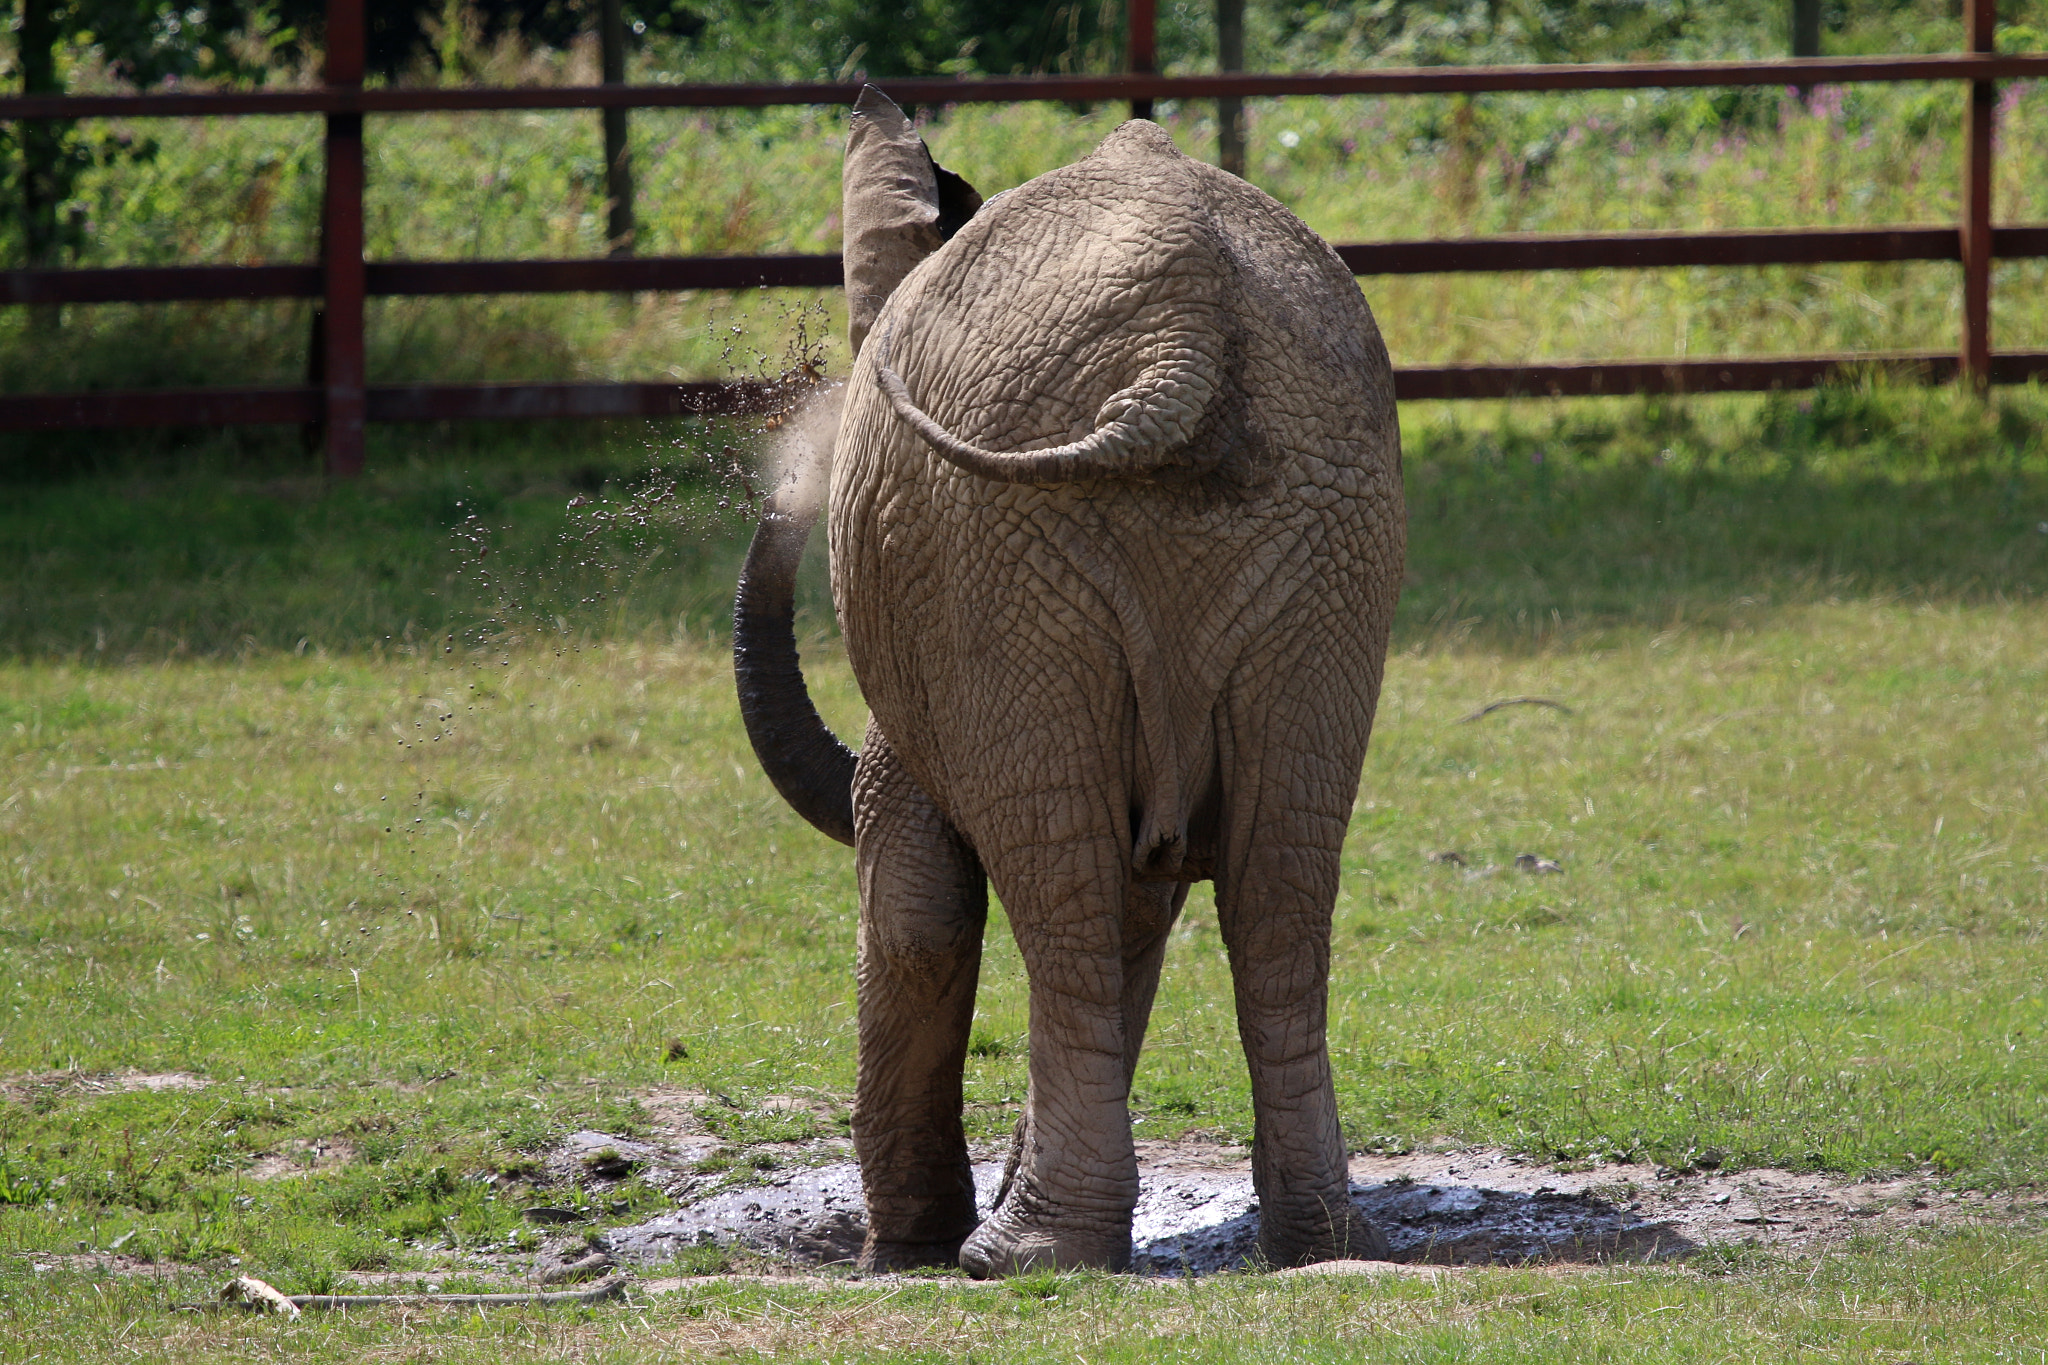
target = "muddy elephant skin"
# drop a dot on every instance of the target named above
(1116, 534)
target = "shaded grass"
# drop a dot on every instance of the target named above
(233, 549)
(1527, 520)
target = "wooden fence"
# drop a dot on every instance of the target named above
(341, 400)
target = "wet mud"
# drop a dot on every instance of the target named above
(1198, 1215)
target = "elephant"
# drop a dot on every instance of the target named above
(1116, 531)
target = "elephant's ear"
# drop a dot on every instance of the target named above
(900, 207)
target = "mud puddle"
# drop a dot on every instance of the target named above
(1197, 1214)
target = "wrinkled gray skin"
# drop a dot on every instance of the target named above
(1116, 532)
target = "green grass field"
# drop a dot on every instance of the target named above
(398, 829)
(426, 856)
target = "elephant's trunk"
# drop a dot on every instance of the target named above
(800, 754)
(1139, 430)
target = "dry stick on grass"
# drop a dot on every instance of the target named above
(1493, 706)
(845, 1317)
(597, 1293)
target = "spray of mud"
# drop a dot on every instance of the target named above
(709, 484)
(799, 454)
(529, 605)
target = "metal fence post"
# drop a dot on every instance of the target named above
(1976, 227)
(1140, 47)
(341, 248)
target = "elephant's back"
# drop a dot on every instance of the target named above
(1315, 369)
(961, 597)
(1042, 307)
(1056, 294)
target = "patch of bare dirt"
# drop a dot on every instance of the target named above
(104, 1263)
(1370, 1270)
(304, 1156)
(674, 1112)
(29, 1087)
(824, 1110)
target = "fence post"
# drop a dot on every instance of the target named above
(1230, 108)
(1806, 28)
(341, 248)
(1140, 47)
(618, 165)
(1976, 228)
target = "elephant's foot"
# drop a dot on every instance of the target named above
(1010, 1244)
(879, 1257)
(1312, 1235)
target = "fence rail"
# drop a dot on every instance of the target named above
(1420, 80)
(305, 404)
(342, 401)
(1521, 251)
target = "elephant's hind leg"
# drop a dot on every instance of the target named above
(1074, 1183)
(1149, 914)
(923, 905)
(1275, 893)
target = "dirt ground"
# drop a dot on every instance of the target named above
(27, 1088)
(1197, 1213)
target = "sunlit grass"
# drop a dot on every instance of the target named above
(573, 857)
(442, 909)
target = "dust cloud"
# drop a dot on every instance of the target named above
(798, 453)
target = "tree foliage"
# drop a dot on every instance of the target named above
(145, 42)
(993, 37)
(401, 32)
(140, 41)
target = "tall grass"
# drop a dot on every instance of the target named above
(517, 185)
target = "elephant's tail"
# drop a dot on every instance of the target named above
(800, 754)
(1140, 429)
